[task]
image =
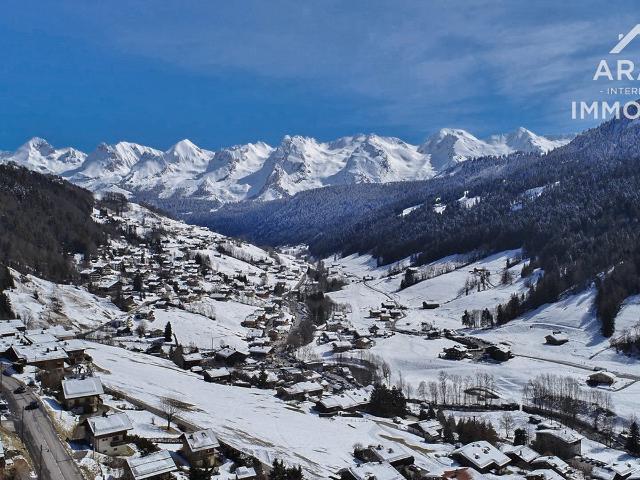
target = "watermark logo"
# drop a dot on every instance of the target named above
(619, 72)
(625, 40)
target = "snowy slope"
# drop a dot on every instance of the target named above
(255, 421)
(259, 171)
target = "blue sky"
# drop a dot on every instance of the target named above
(222, 73)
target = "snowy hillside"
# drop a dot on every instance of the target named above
(260, 171)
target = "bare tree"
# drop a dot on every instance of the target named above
(444, 386)
(386, 372)
(433, 392)
(408, 390)
(507, 422)
(422, 391)
(141, 329)
(171, 407)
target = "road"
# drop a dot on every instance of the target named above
(38, 426)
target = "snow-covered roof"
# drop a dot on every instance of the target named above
(521, 451)
(347, 399)
(389, 454)
(545, 473)
(107, 425)
(192, 357)
(482, 454)
(302, 387)
(78, 388)
(217, 372)
(72, 345)
(40, 353)
(245, 472)
(566, 435)
(40, 337)
(623, 468)
(554, 462)
(375, 471)
(260, 350)
(227, 352)
(201, 440)
(154, 464)
(432, 427)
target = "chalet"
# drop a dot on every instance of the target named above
(456, 352)
(230, 356)
(341, 346)
(430, 305)
(216, 375)
(326, 337)
(108, 287)
(155, 466)
(82, 395)
(245, 473)
(260, 351)
(314, 365)
(556, 338)
(561, 442)
(39, 337)
(363, 343)
(464, 473)
(481, 456)
(369, 471)
(107, 434)
(500, 353)
(520, 455)
(186, 360)
(553, 463)
(393, 456)
(347, 401)
(481, 394)
(601, 377)
(49, 357)
(300, 390)
(75, 350)
(430, 430)
(200, 447)
(543, 474)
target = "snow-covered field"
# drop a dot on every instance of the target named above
(205, 332)
(416, 358)
(255, 421)
(45, 303)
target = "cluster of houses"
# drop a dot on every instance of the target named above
(475, 460)
(63, 371)
(179, 267)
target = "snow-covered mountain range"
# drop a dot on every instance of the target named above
(260, 171)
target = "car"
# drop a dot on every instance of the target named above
(33, 404)
(20, 389)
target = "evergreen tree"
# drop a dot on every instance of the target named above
(278, 471)
(520, 436)
(633, 441)
(448, 430)
(168, 332)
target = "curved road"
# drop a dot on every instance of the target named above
(38, 426)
